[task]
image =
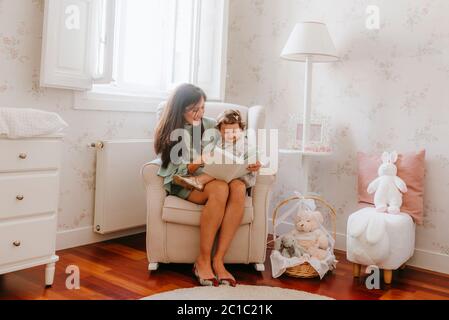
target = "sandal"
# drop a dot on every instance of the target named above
(205, 282)
(228, 282)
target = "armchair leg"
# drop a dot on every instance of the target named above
(49, 274)
(356, 268)
(388, 276)
(259, 267)
(153, 266)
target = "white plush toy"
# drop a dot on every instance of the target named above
(388, 186)
(287, 246)
(308, 233)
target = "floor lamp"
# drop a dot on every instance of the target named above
(309, 42)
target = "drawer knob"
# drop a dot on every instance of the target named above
(23, 156)
(16, 243)
(20, 197)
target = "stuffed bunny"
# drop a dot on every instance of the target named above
(388, 186)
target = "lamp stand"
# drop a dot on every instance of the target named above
(307, 103)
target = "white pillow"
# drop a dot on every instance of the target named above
(25, 122)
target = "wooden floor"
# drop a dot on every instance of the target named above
(117, 269)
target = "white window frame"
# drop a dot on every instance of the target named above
(102, 100)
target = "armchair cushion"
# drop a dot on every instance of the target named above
(177, 210)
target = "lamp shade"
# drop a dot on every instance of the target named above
(310, 39)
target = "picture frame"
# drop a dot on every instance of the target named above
(316, 132)
(318, 136)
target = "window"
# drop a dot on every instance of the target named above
(129, 54)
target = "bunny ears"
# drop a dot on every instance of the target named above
(390, 157)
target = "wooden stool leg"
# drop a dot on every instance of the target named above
(356, 270)
(388, 276)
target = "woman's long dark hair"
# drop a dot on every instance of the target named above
(173, 118)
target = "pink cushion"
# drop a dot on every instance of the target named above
(411, 169)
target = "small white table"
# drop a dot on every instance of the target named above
(304, 163)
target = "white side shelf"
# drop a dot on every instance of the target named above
(304, 153)
(303, 163)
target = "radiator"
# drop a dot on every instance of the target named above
(119, 194)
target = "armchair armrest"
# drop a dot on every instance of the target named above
(155, 198)
(149, 173)
(261, 191)
(266, 177)
(261, 203)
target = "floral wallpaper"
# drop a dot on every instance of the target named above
(20, 46)
(389, 91)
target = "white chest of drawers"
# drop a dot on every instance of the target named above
(29, 192)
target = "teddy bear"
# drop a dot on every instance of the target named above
(308, 233)
(287, 246)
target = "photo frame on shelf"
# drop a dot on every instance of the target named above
(318, 138)
(316, 134)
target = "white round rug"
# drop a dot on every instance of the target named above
(240, 292)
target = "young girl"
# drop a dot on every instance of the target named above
(233, 140)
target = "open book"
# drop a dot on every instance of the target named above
(224, 165)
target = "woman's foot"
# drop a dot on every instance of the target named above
(204, 274)
(189, 183)
(223, 275)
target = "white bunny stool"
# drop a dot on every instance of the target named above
(384, 240)
(377, 238)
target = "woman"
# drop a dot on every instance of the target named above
(223, 203)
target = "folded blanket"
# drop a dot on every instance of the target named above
(24, 122)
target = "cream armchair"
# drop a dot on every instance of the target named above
(173, 223)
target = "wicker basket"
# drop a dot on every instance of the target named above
(305, 270)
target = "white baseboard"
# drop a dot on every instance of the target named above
(430, 260)
(340, 242)
(423, 259)
(82, 236)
